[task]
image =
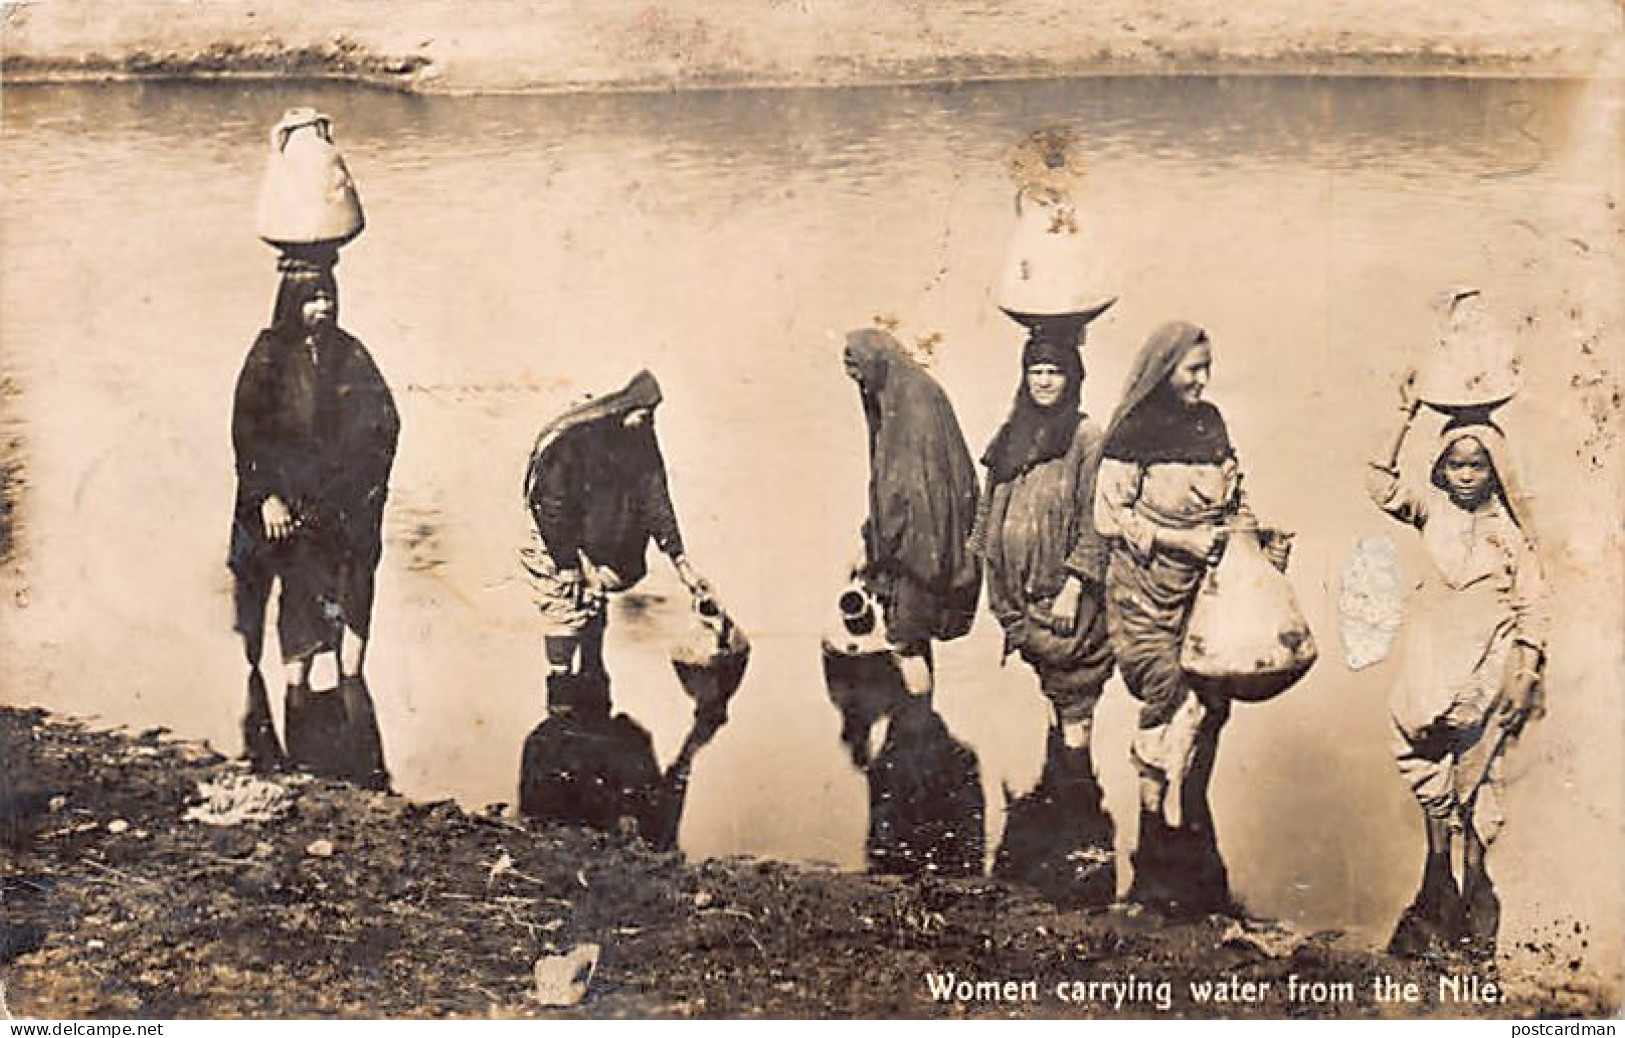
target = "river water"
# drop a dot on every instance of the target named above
(521, 250)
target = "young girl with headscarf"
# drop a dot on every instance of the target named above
(1471, 666)
(1168, 483)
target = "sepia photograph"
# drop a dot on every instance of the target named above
(809, 509)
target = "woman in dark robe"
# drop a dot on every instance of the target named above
(926, 811)
(922, 505)
(1046, 572)
(597, 493)
(314, 428)
(1168, 482)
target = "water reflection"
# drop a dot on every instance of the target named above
(582, 766)
(1058, 837)
(335, 733)
(926, 810)
(926, 807)
(1405, 127)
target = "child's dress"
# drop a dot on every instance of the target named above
(1483, 594)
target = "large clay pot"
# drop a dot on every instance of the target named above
(307, 196)
(1246, 637)
(1052, 270)
(1472, 363)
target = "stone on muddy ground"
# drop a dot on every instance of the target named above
(562, 980)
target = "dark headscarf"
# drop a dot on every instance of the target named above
(301, 282)
(1032, 435)
(1152, 424)
(922, 483)
(642, 392)
(319, 431)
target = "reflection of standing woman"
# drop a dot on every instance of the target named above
(922, 504)
(1471, 668)
(314, 427)
(1168, 482)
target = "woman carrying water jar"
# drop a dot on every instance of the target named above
(1168, 485)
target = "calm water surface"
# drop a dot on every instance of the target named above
(521, 250)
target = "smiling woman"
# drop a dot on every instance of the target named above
(1188, 380)
(1168, 485)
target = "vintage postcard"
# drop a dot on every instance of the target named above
(809, 508)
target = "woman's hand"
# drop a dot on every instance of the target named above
(571, 581)
(858, 564)
(1520, 689)
(1199, 544)
(596, 584)
(1063, 612)
(1407, 391)
(277, 518)
(1409, 405)
(1277, 545)
(697, 585)
(601, 580)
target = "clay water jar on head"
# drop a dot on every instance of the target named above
(307, 196)
(1052, 268)
(1472, 364)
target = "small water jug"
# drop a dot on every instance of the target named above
(710, 656)
(1473, 363)
(307, 196)
(1052, 269)
(857, 629)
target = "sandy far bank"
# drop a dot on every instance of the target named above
(541, 46)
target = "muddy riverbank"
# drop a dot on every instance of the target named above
(359, 904)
